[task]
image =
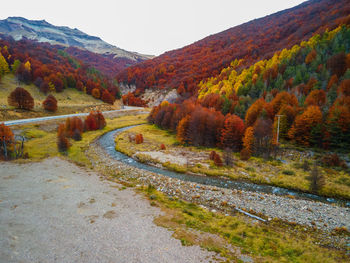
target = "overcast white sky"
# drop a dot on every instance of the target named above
(146, 26)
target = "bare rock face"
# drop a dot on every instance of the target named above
(156, 96)
(42, 31)
(126, 88)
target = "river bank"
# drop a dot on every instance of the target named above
(303, 212)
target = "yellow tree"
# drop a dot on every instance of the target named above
(4, 67)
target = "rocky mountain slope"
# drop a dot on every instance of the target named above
(42, 31)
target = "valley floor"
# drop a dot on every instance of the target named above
(54, 211)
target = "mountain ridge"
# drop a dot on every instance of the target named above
(251, 41)
(42, 31)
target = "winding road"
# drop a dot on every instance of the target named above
(25, 121)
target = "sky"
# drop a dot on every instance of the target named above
(146, 26)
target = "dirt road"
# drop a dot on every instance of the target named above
(54, 211)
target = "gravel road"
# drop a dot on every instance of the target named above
(47, 118)
(54, 211)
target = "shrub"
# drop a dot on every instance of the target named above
(217, 160)
(6, 141)
(107, 97)
(94, 121)
(96, 93)
(162, 146)
(139, 139)
(228, 157)
(333, 160)
(316, 179)
(305, 166)
(73, 125)
(245, 154)
(50, 103)
(212, 155)
(62, 141)
(77, 135)
(21, 99)
(288, 172)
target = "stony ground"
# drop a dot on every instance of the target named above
(54, 211)
(303, 212)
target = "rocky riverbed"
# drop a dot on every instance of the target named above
(268, 206)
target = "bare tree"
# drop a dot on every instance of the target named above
(228, 157)
(317, 180)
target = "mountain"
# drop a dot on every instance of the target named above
(258, 39)
(42, 31)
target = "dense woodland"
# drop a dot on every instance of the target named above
(52, 69)
(307, 85)
(106, 64)
(258, 39)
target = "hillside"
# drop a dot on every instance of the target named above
(308, 86)
(69, 101)
(89, 49)
(54, 71)
(258, 39)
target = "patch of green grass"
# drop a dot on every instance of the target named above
(175, 167)
(44, 145)
(33, 133)
(273, 242)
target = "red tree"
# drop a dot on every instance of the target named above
(21, 98)
(107, 97)
(232, 133)
(50, 103)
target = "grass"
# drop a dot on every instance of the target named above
(69, 101)
(273, 242)
(42, 143)
(274, 172)
(191, 224)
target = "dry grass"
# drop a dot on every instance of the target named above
(69, 101)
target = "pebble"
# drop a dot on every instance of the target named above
(302, 212)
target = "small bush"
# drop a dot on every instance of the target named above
(107, 97)
(245, 154)
(6, 141)
(62, 141)
(217, 160)
(139, 138)
(333, 160)
(77, 135)
(96, 93)
(212, 155)
(305, 166)
(94, 121)
(288, 172)
(50, 103)
(316, 179)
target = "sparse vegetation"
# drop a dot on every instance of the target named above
(273, 242)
